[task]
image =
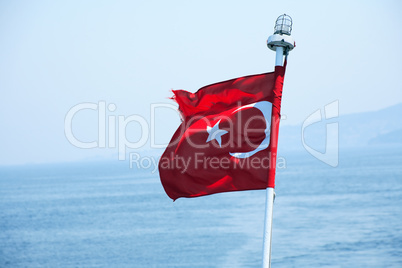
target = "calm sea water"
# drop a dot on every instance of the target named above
(107, 215)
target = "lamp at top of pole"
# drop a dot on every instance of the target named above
(281, 41)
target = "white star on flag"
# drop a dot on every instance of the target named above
(215, 133)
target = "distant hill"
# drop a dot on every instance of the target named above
(393, 137)
(383, 127)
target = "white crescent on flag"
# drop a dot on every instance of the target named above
(266, 108)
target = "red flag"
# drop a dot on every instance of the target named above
(228, 138)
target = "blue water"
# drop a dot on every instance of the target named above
(108, 215)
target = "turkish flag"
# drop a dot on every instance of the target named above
(228, 138)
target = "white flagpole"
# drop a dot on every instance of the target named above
(269, 203)
(282, 43)
(269, 206)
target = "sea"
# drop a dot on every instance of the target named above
(108, 214)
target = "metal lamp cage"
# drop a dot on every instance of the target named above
(283, 25)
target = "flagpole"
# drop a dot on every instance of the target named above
(281, 42)
(269, 206)
(270, 197)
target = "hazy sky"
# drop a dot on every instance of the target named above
(55, 55)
